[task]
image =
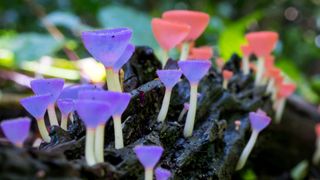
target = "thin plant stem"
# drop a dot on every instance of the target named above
(43, 130)
(247, 150)
(52, 115)
(165, 105)
(89, 149)
(118, 132)
(99, 143)
(188, 128)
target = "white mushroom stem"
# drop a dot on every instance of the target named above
(89, 151)
(19, 144)
(64, 122)
(247, 150)
(270, 86)
(316, 155)
(245, 65)
(279, 107)
(52, 115)
(183, 112)
(225, 84)
(188, 128)
(99, 143)
(117, 81)
(148, 174)
(43, 130)
(260, 71)
(112, 81)
(184, 51)
(165, 58)
(118, 132)
(165, 105)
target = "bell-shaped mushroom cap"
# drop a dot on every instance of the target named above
(118, 100)
(259, 121)
(194, 70)
(219, 62)
(107, 45)
(169, 77)
(71, 92)
(286, 90)
(186, 106)
(148, 155)
(37, 105)
(204, 52)
(227, 75)
(246, 50)
(93, 113)
(263, 42)
(16, 130)
(317, 129)
(198, 21)
(162, 174)
(66, 106)
(169, 34)
(279, 80)
(53, 86)
(124, 58)
(269, 62)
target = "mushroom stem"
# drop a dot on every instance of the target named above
(183, 112)
(52, 115)
(260, 70)
(316, 155)
(279, 107)
(184, 51)
(247, 150)
(43, 130)
(89, 151)
(117, 81)
(112, 81)
(118, 132)
(245, 65)
(165, 58)
(188, 128)
(99, 143)
(19, 144)
(148, 174)
(225, 84)
(270, 86)
(165, 105)
(64, 122)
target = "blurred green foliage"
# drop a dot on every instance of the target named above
(298, 23)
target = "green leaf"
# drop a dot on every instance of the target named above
(140, 23)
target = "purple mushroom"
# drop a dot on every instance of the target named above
(162, 174)
(148, 157)
(193, 70)
(16, 130)
(66, 106)
(169, 78)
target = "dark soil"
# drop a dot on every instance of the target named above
(211, 153)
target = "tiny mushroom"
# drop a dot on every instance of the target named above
(36, 105)
(169, 78)
(272, 73)
(204, 52)
(168, 34)
(262, 44)
(194, 71)
(219, 63)
(246, 51)
(237, 124)
(227, 75)
(258, 120)
(148, 157)
(198, 21)
(184, 111)
(53, 86)
(92, 113)
(66, 106)
(316, 155)
(16, 130)
(107, 46)
(285, 90)
(162, 174)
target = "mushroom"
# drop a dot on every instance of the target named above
(169, 78)
(194, 71)
(16, 130)
(204, 52)
(316, 155)
(227, 75)
(148, 157)
(92, 113)
(36, 105)
(285, 90)
(219, 64)
(258, 120)
(237, 124)
(66, 106)
(184, 111)
(162, 174)
(53, 86)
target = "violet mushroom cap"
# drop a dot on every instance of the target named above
(169, 77)
(124, 58)
(194, 70)
(119, 100)
(186, 106)
(259, 121)
(148, 155)
(37, 105)
(92, 113)
(16, 130)
(107, 45)
(65, 105)
(44, 86)
(71, 92)
(162, 174)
